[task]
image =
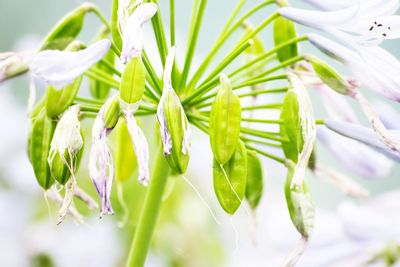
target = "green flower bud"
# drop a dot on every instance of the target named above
(254, 185)
(230, 180)
(39, 142)
(285, 30)
(98, 89)
(57, 101)
(133, 81)
(300, 205)
(225, 119)
(66, 30)
(329, 76)
(111, 112)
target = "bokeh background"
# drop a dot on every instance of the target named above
(186, 235)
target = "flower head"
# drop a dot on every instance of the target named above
(60, 68)
(130, 26)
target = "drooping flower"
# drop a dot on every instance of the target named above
(101, 166)
(60, 68)
(130, 26)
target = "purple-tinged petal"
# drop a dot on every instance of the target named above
(364, 135)
(60, 68)
(356, 157)
(388, 115)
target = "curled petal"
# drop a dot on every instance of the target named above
(132, 33)
(140, 146)
(364, 135)
(60, 68)
(101, 166)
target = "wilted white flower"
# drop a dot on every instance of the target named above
(60, 68)
(130, 26)
(164, 132)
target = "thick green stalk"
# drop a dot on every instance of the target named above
(148, 217)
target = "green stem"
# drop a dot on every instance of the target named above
(152, 73)
(172, 21)
(197, 18)
(265, 154)
(267, 106)
(262, 121)
(259, 81)
(266, 91)
(159, 33)
(96, 77)
(223, 37)
(148, 217)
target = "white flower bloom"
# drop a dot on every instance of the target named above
(138, 139)
(101, 165)
(165, 135)
(60, 68)
(308, 129)
(130, 26)
(370, 20)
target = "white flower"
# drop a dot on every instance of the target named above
(60, 68)
(130, 26)
(370, 21)
(165, 134)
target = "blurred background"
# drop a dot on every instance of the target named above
(186, 234)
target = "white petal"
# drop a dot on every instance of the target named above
(364, 135)
(317, 19)
(388, 115)
(141, 148)
(60, 68)
(331, 5)
(356, 157)
(132, 35)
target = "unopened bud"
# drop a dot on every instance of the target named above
(133, 81)
(111, 112)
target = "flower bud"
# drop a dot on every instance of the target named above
(39, 146)
(300, 205)
(174, 125)
(65, 146)
(11, 65)
(66, 30)
(329, 76)
(254, 182)
(225, 119)
(285, 30)
(98, 89)
(133, 81)
(111, 112)
(230, 179)
(58, 100)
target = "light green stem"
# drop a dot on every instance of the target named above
(148, 217)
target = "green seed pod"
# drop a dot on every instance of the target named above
(111, 112)
(300, 205)
(178, 125)
(329, 76)
(285, 30)
(59, 169)
(58, 100)
(39, 146)
(133, 81)
(98, 89)
(254, 185)
(225, 119)
(230, 180)
(124, 154)
(66, 30)
(290, 128)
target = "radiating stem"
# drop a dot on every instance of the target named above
(159, 33)
(148, 217)
(94, 76)
(197, 18)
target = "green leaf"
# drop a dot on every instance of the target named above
(230, 180)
